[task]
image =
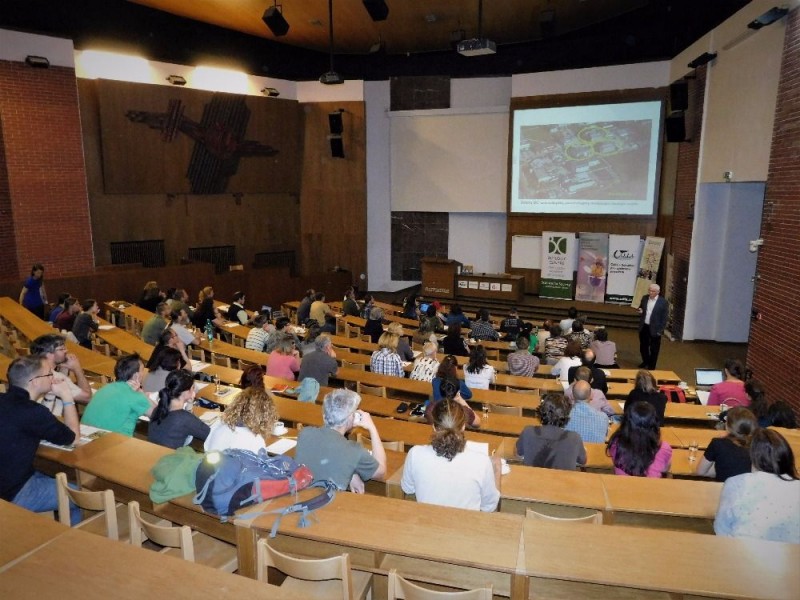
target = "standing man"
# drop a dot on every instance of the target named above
(654, 311)
(24, 424)
(53, 350)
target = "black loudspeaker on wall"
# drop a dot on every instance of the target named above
(335, 122)
(274, 20)
(679, 95)
(337, 146)
(377, 9)
(675, 127)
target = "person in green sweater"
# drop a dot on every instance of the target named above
(117, 406)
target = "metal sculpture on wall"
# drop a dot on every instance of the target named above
(219, 139)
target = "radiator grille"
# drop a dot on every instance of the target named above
(150, 253)
(222, 257)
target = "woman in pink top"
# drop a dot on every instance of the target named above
(636, 447)
(731, 391)
(284, 361)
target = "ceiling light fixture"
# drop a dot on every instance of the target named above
(37, 62)
(768, 18)
(703, 59)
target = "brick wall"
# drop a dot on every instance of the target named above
(42, 175)
(774, 350)
(685, 191)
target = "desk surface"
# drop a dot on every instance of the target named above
(22, 531)
(671, 497)
(552, 486)
(670, 561)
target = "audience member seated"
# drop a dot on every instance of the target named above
(259, 334)
(781, 415)
(444, 473)
(172, 423)
(180, 324)
(448, 369)
(636, 447)
(252, 376)
(205, 308)
(482, 328)
(284, 361)
(349, 304)
(453, 343)
(597, 400)
(246, 423)
(313, 331)
(450, 389)
(511, 326)
(730, 392)
(236, 311)
(543, 335)
(758, 401)
(180, 301)
(730, 455)
(385, 360)
(304, 309)
(85, 324)
(430, 321)
(522, 362)
(478, 373)
(411, 307)
(456, 316)
(52, 348)
(25, 423)
(156, 324)
(374, 325)
(578, 333)
(423, 334)
(66, 320)
(587, 422)
(367, 306)
(151, 296)
(403, 348)
(59, 307)
(566, 324)
(598, 379)
(329, 326)
(283, 327)
(117, 406)
(330, 455)
(426, 366)
(168, 339)
(605, 351)
(554, 346)
(319, 310)
(763, 504)
(320, 364)
(645, 389)
(549, 445)
(571, 358)
(166, 361)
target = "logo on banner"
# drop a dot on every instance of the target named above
(557, 245)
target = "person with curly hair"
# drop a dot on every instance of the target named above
(246, 423)
(549, 445)
(443, 473)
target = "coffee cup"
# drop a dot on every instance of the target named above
(279, 428)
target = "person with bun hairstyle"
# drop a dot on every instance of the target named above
(730, 455)
(730, 392)
(443, 473)
(765, 503)
(172, 423)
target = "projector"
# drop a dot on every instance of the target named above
(331, 78)
(476, 47)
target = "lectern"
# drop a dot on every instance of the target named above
(439, 277)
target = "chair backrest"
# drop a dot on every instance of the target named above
(346, 364)
(221, 360)
(353, 331)
(341, 327)
(245, 364)
(197, 353)
(336, 567)
(378, 390)
(507, 410)
(238, 341)
(397, 445)
(493, 353)
(170, 537)
(403, 589)
(416, 346)
(101, 347)
(595, 517)
(96, 501)
(366, 338)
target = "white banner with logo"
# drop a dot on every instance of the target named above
(558, 264)
(592, 267)
(623, 260)
(648, 267)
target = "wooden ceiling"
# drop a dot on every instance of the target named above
(412, 25)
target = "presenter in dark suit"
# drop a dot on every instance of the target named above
(654, 311)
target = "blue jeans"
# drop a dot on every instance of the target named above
(39, 495)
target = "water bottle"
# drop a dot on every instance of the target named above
(209, 331)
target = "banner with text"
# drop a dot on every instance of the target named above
(623, 260)
(592, 267)
(648, 267)
(558, 263)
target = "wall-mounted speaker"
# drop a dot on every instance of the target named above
(675, 127)
(335, 122)
(679, 95)
(377, 9)
(273, 18)
(337, 146)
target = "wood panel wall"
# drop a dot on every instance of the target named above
(253, 222)
(333, 196)
(535, 225)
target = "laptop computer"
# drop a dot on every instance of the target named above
(705, 378)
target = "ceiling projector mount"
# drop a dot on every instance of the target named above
(331, 77)
(477, 46)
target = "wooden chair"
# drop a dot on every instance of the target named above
(353, 331)
(492, 353)
(507, 410)
(197, 353)
(111, 520)
(401, 588)
(346, 364)
(366, 338)
(596, 517)
(22, 350)
(416, 346)
(238, 341)
(221, 360)
(397, 446)
(183, 542)
(245, 364)
(379, 390)
(314, 578)
(102, 348)
(341, 327)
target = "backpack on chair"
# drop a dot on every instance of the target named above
(673, 393)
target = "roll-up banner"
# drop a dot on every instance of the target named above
(623, 260)
(592, 267)
(558, 263)
(648, 266)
